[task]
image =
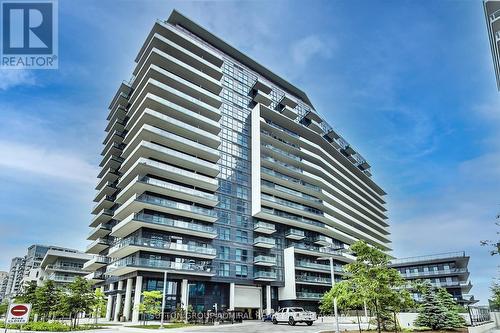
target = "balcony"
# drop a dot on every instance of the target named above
(315, 126)
(96, 262)
(110, 176)
(118, 112)
(95, 277)
(103, 216)
(131, 264)
(264, 276)
(143, 220)
(262, 98)
(262, 86)
(107, 190)
(289, 112)
(457, 271)
(312, 266)
(138, 203)
(262, 260)
(147, 184)
(100, 231)
(145, 166)
(153, 101)
(287, 101)
(295, 234)
(174, 157)
(304, 295)
(114, 137)
(113, 148)
(176, 66)
(178, 91)
(307, 279)
(106, 202)
(157, 127)
(323, 240)
(289, 193)
(130, 245)
(317, 251)
(264, 242)
(58, 267)
(98, 246)
(61, 278)
(264, 227)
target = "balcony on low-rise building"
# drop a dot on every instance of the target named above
(96, 262)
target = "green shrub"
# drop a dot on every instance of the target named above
(48, 327)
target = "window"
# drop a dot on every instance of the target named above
(242, 221)
(224, 233)
(241, 271)
(223, 269)
(241, 255)
(241, 236)
(224, 253)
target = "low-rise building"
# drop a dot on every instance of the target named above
(62, 265)
(446, 270)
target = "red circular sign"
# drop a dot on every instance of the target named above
(19, 310)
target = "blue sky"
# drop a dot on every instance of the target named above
(409, 83)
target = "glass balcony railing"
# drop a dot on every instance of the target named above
(265, 240)
(160, 220)
(98, 241)
(309, 295)
(287, 131)
(265, 259)
(176, 170)
(264, 225)
(295, 232)
(178, 188)
(64, 268)
(439, 256)
(291, 192)
(313, 265)
(282, 152)
(264, 275)
(147, 198)
(61, 278)
(290, 179)
(100, 259)
(292, 217)
(283, 164)
(270, 135)
(291, 204)
(200, 248)
(190, 265)
(436, 272)
(314, 279)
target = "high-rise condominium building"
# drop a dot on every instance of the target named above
(223, 174)
(15, 280)
(445, 270)
(34, 257)
(492, 14)
(4, 279)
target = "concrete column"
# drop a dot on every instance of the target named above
(231, 296)
(137, 299)
(184, 294)
(110, 303)
(118, 303)
(268, 300)
(128, 300)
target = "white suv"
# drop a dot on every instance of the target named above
(293, 316)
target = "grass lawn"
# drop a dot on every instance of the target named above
(166, 326)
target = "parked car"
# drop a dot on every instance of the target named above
(294, 315)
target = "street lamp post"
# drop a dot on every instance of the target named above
(332, 274)
(163, 298)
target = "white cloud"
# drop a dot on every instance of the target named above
(305, 49)
(47, 161)
(15, 77)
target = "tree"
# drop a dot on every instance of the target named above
(28, 294)
(47, 297)
(494, 244)
(99, 303)
(438, 310)
(348, 298)
(376, 283)
(495, 299)
(78, 298)
(151, 304)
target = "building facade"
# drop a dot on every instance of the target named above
(62, 265)
(492, 15)
(34, 257)
(223, 174)
(15, 279)
(4, 279)
(446, 270)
